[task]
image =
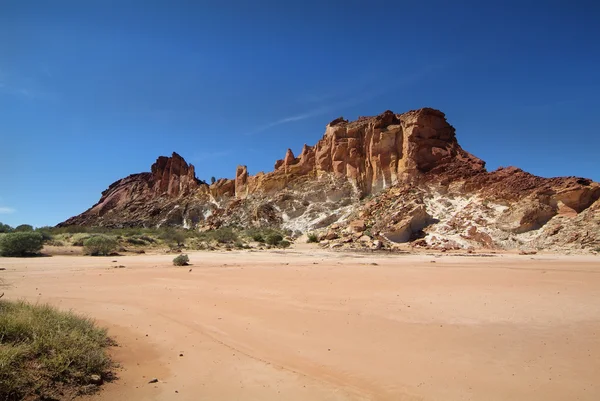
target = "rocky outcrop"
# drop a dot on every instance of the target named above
(377, 182)
(173, 176)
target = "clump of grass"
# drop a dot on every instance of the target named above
(44, 351)
(312, 237)
(181, 260)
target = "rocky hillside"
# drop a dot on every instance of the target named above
(377, 181)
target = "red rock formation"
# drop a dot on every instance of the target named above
(173, 176)
(415, 155)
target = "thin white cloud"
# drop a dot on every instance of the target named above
(6, 210)
(386, 87)
(21, 87)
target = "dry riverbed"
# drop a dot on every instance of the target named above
(309, 324)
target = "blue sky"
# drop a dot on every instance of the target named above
(92, 91)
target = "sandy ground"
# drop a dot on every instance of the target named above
(313, 325)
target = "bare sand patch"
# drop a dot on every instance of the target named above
(316, 325)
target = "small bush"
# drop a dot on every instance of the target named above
(258, 237)
(274, 239)
(136, 241)
(99, 245)
(46, 233)
(224, 235)
(5, 228)
(54, 242)
(21, 244)
(43, 349)
(312, 237)
(173, 237)
(181, 260)
(24, 228)
(284, 244)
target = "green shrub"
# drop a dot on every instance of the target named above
(224, 235)
(99, 245)
(5, 228)
(274, 239)
(136, 241)
(43, 349)
(284, 244)
(173, 237)
(46, 233)
(79, 239)
(258, 237)
(181, 260)
(54, 242)
(21, 243)
(24, 228)
(312, 237)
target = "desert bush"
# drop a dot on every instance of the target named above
(54, 242)
(181, 260)
(21, 243)
(136, 241)
(42, 349)
(173, 237)
(285, 244)
(274, 239)
(46, 232)
(5, 228)
(23, 228)
(80, 238)
(258, 237)
(99, 245)
(224, 235)
(312, 237)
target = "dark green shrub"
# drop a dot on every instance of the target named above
(46, 233)
(284, 244)
(274, 239)
(181, 260)
(24, 228)
(312, 237)
(5, 228)
(99, 245)
(258, 237)
(21, 243)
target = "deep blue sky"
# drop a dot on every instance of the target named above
(92, 91)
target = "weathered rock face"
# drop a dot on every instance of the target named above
(424, 189)
(173, 176)
(378, 152)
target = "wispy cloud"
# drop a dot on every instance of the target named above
(6, 210)
(21, 87)
(348, 101)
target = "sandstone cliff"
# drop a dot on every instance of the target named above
(423, 189)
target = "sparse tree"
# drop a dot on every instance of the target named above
(212, 180)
